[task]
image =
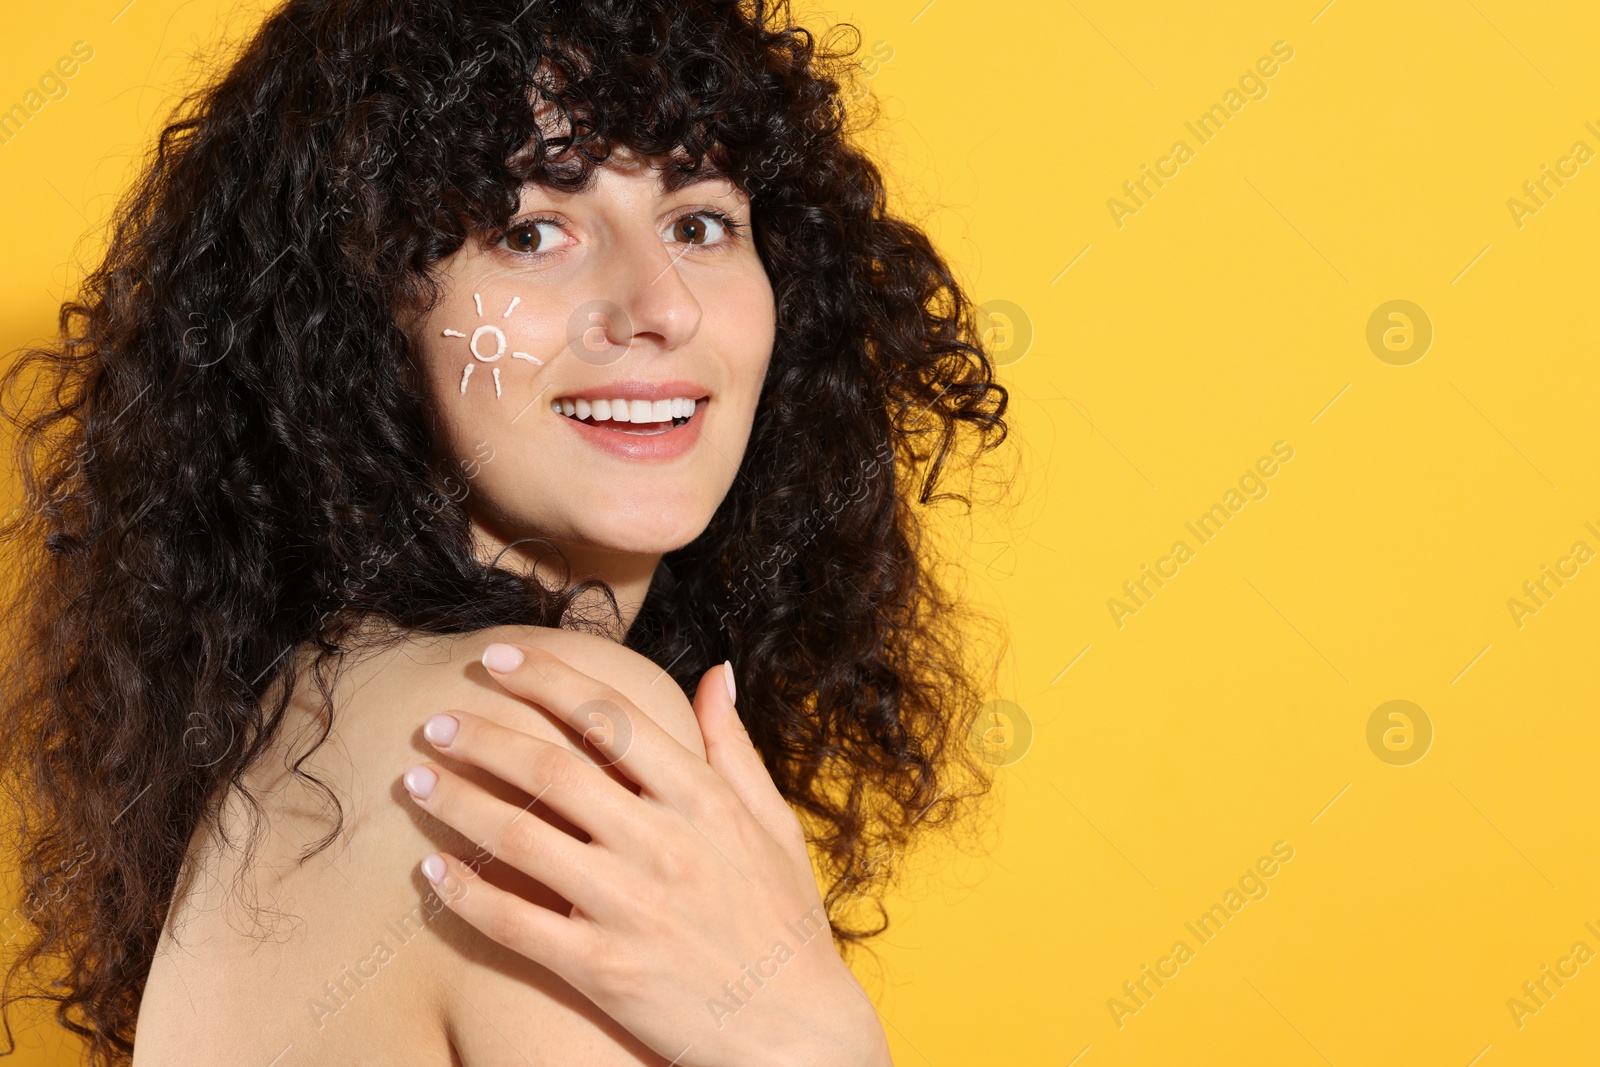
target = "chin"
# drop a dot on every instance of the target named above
(650, 526)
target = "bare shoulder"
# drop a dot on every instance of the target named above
(349, 955)
(448, 668)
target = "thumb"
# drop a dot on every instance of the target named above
(714, 708)
(732, 755)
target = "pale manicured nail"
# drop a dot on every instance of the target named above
(441, 729)
(502, 658)
(433, 868)
(727, 676)
(420, 781)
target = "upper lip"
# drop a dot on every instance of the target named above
(635, 389)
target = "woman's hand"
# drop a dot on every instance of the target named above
(696, 921)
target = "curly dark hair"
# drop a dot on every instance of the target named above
(228, 455)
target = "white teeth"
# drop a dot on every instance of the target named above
(630, 411)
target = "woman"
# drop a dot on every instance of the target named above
(463, 382)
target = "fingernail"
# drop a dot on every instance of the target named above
(502, 658)
(420, 781)
(727, 676)
(441, 729)
(433, 868)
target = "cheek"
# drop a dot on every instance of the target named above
(490, 344)
(743, 326)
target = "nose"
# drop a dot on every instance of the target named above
(644, 283)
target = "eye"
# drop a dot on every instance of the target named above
(533, 236)
(702, 228)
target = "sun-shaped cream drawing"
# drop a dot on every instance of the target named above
(488, 329)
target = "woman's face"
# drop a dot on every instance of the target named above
(596, 369)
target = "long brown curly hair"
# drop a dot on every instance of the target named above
(227, 455)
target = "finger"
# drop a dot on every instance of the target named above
(506, 832)
(607, 720)
(542, 935)
(732, 754)
(582, 793)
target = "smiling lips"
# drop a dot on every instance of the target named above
(637, 420)
(648, 415)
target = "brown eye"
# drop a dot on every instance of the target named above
(697, 229)
(537, 235)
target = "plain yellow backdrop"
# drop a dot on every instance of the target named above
(1160, 339)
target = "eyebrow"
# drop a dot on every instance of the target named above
(669, 177)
